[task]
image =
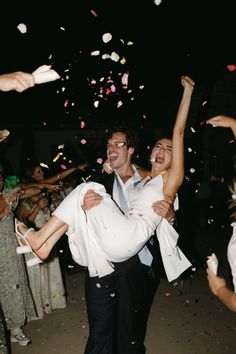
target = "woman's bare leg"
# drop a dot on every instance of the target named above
(44, 251)
(37, 238)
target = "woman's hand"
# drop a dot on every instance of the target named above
(53, 187)
(222, 121)
(106, 167)
(91, 199)
(42, 203)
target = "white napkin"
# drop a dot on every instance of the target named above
(212, 263)
(44, 74)
(4, 134)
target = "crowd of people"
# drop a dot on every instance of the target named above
(120, 228)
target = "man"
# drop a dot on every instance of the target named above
(118, 304)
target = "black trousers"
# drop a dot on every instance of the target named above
(118, 306)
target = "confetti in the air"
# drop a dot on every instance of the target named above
(100, 160)
(115, 57)
(93, 12)
(157, 2)
(22, 28)
(95, 53)
(106, 37)
(42, 164)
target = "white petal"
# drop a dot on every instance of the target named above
(22, 28)
(106, 37)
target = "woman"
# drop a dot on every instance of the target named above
(15, 297)
(98, 253)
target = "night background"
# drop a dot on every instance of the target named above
(155, 44)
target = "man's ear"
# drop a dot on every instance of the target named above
(131, 151)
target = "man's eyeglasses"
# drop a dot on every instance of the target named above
(117, 144)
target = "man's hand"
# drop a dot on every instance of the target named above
(18, 81)
(164, 208)
(91, 199)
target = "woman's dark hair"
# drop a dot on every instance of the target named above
(159, 136)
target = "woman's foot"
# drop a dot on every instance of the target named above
(22, 233)
(32, 237)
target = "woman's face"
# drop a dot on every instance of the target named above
(38, 174)
(161, 154)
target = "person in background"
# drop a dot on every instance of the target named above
(218, 284)
(16, 81)
(36, 174)
(15, 296)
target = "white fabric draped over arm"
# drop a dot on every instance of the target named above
(174, 261)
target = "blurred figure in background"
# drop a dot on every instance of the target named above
(45, 280)
(15, 296)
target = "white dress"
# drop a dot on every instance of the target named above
(104, 234)
(231, 254)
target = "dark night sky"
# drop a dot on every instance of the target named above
(174, 38)
(196, 38)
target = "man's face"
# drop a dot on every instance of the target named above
(118, 153)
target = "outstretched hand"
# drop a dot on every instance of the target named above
(224, 122)
(18, 81)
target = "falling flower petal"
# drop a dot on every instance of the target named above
(157, 2)
(124, 79)
(95, 53)
(93, 12)
(100, 160)
(106, 56)
(22, 28)
(115, 57)
(106, 37)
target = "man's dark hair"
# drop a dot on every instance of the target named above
(130, 134)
